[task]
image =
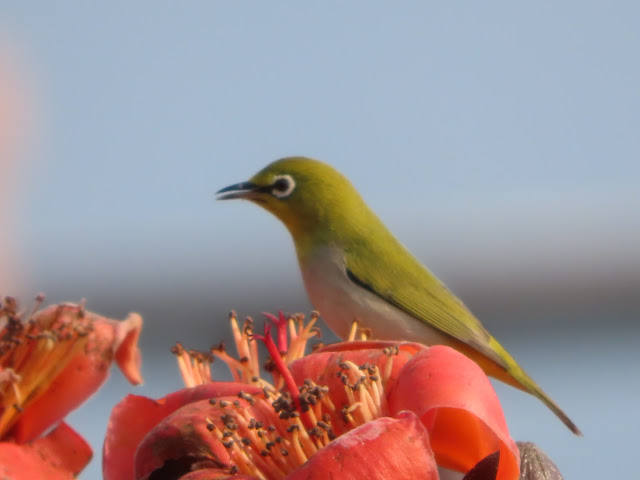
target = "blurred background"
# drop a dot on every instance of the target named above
(500, 142)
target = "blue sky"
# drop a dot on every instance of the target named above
(439, 114)
(498, 140)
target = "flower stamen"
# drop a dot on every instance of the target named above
(35, 351)
(355, 325)
(304, 419)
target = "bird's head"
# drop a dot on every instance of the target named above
(305, 194)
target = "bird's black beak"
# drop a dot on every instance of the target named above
(239, 190)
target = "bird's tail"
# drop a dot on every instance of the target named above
(512, 374)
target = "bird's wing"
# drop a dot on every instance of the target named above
(416, 291)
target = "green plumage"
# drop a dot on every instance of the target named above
(353, 266)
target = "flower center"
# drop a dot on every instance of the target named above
(271, 434)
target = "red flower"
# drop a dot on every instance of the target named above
(360, 410)
(49, 365)
(449, 393)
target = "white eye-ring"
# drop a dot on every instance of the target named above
(282, 186)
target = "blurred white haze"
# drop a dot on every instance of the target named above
(499, 141)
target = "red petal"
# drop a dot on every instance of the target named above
(127, 353)
(456, 402)
(135, 416)
(181, 437)
(381, 449)
(60, 455)
(64, 448)
(82, 376)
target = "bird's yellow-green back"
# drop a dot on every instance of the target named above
(324, 209)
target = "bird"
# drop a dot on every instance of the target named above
(354, 268)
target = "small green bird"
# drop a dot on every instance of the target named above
(354, 268)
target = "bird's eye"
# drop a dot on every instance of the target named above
(282, 186)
